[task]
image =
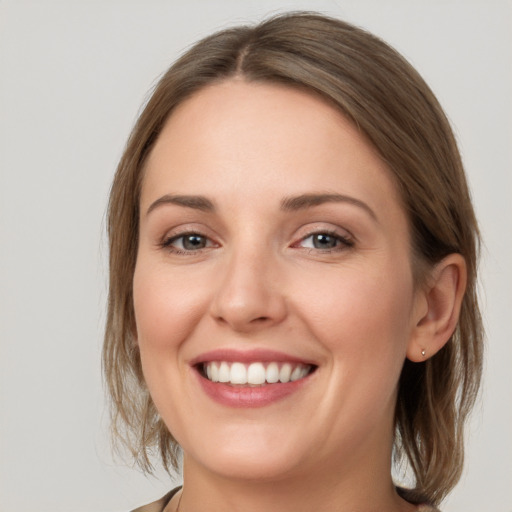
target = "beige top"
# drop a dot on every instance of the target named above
(159, 505)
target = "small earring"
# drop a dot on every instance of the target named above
(423, 352)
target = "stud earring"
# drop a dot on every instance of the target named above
(423, 352)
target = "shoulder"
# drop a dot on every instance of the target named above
(158, 505)
(427, 508)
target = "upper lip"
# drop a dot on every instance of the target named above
(248, 356)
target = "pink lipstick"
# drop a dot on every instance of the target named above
(250, 378)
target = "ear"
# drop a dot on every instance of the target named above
(441, 300)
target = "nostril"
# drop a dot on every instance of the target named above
(261, 319)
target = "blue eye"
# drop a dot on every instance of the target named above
(325, 241)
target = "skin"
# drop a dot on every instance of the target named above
(260, 282)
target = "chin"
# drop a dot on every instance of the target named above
(247, 457)
(249, 469)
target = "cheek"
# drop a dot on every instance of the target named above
(363, 316)
(167, 311)
(167, 307)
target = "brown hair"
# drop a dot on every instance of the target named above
(381, 93)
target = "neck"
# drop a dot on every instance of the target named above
(354, 486)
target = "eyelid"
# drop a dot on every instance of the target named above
(344, 236)
(346, 239)
(313, 228)
(180, 232)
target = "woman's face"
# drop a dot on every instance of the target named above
(273, 289)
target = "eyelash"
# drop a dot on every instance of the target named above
(167, 243)
(342, 242)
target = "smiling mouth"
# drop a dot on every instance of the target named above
(255, 374)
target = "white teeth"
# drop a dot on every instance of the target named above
(255, 374)
(214, 371)
(238, 374)
(285, 372)
(272, 373)
(296, 374)
(224, 373)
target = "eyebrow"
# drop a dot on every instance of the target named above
(196, 202)
(305, 201)
(292, 203)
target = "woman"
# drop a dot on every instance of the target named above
(293, 276)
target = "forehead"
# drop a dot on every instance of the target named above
(250, 140)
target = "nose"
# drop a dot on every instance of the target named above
(249, 296)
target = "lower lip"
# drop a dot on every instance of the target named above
(247, 396)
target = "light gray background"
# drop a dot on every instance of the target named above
(73, 75)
